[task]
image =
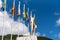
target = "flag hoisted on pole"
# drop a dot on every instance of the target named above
(28, 20)
(24, 13)
(18, 16)
(13, 13)
(4, 5)
(32, 23)
(19, 9)
(3, 9)
(27, 13)
(13, 8)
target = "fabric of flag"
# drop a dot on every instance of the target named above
(2, 8)
(19, 10)
(31, 22)
(4, 5)
(33, 27)
(13, 10)
(24, 13)
(34, 24)
(28, 20)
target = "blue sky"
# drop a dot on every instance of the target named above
(47, 13)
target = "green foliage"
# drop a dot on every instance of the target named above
(7, 37)
(43, 38)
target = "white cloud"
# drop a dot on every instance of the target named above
(58, 22)
(37, 34)
(16, 27)
(57, 35)
(0, 3)
(44, 35)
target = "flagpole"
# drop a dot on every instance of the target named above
(3, 19)
(23, 16)
(11, 30)
(12, 20)
(30, 23)
(3, 28)
(11, 27)
(28, 18)
(28, 26)
(18, 25)
(18, 16)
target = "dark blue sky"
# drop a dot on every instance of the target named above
(44, 11)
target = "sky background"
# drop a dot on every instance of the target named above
(47, 14)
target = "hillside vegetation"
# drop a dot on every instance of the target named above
(7, 37)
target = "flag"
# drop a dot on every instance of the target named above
(4, 5)
(13, 9)
(2, 8)
(31, 20)
(32, 23)
(24, 13)
(28, 19)
(34, 26)
(19, 10)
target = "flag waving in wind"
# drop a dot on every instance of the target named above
(4, 5)
(32, 23)
(28, 19)
(13, 9)
(19, 10)
(24, 13)
(31, 20)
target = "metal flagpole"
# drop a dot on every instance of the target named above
(3, 28)
(3, 19)
(12, 22)
(18, 16)
(11, 31)
(30, 23)
(11, 27)
(23, 29)
(23, 16)
(18, 25)
(28, 18)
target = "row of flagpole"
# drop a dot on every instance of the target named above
(25, 16)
